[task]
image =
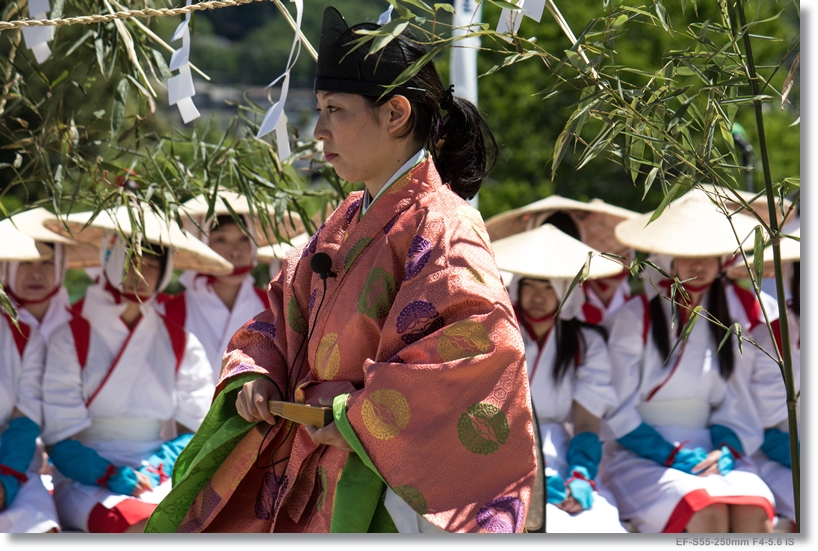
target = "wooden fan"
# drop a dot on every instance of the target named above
(301, 413)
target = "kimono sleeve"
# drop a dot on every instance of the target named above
(626, 348)
(594, 390)
(260, 345)
(30, 390)
(738, 411)
(445, 418)
(64, 411)
(194, 385)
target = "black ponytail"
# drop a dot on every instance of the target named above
(717, 307)
(451, 128)
(795, 288)
(571, 344)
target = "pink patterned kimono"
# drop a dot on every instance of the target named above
(418, 329)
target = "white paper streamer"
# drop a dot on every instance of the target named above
(386, 16)
(37, 38)
(180, 87)
(275, 119)
(510, 20)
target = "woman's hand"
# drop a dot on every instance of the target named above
(251, 402)
(143, 484)
(710, 465)
(329, 435)
(570, 505)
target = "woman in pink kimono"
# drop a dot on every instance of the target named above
(682, 438)
(395, 316)
(25, 504)
(123, 388)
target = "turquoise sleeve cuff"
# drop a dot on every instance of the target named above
(646, 441)
(724, 436)
(585, 450)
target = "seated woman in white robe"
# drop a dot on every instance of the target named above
(36, 287)
(769, 391)
(25, 504)
(569, 375)
(214, 307)
(123, 389)
(686, 427)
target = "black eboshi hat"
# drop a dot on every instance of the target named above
(358, 73)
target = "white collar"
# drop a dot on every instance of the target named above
(413, 160)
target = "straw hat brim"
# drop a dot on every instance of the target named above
(197, 208)
(31, 223)
(691, 226)
(547, 253)
(17, 246)
(278, 250)
(759, 205)
(790, 252)
(188, 252)
(596, 220)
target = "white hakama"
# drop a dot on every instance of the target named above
(124, 403)
(681, 401)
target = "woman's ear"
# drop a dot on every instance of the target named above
(398, 111)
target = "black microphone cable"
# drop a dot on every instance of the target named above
(321, 264)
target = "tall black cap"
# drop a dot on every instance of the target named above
(358, 73)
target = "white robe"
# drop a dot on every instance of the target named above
(590, 386)
(770, 394)
(209, 319)
(33, 509)
(688, 396)
(620, 297)
(137, 407)
(58, 312)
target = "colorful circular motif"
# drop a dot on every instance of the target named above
(390, 224)
(378, 294)
(355, 251)
(419, 252)
(502, 515)
(266, 329)
(413, 498)
(328, 357)
(312, 245)
(312, 299)
(464, 339)
(476, 275)
(385, 413)
(416, 314)
(471, 216)
(353, 208)
(483, 428)
(295, 318)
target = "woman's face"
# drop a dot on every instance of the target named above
(231, 243)
(147, 284)
(537, 297)
(357, 140)
(35, 280)
(704, 269)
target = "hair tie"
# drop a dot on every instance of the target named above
(448, 98)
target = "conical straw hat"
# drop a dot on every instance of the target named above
(188, 252)
(595, 219)
(278, 250)
(690, 226)
(547, 253)
(759, 205)
(198, 206)
(790, 252)
(79, 255)
(17, 246)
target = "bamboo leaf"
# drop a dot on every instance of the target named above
(687, 329)
(758, 254)
(787, 86)
(733, 329)
(118, 109)
(577, 279)
(649, 180)
(671, 194)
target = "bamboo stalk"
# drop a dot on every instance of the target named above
(775, 238)
(292, 23)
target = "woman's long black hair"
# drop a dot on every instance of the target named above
(717, 307)
(571, 343)
(462, 145)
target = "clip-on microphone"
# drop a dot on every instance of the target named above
(321, 264)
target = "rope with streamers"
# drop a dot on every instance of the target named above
(104, 18)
